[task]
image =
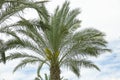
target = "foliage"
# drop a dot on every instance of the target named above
(2, 51)
(40, 78)
(54, 41)
(9, 8)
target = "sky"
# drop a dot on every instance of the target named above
(103, 15)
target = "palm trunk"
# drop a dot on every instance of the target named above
(54, 71)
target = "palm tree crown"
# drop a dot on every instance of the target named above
(54, 41)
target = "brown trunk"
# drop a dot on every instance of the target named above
(54, 71)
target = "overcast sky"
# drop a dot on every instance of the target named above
(100, 14)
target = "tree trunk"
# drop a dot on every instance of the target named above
(54, 71)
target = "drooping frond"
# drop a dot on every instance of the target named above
(33, 30)
(14, 6)
(16, 55)
(2, 51)
(88, 42)
(75, 65)
(3, 57)
(39, 69)
(25, 62)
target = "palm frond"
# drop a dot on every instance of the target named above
(75, 69)
(88, 42)
(2, 51)
(75, 65)
(33, 30)
(26, 45)
(39, 68)
(14, 6)
(17, 55)
(25, 62)
(3, 59)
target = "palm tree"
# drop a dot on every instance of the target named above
(52, 40)
(9, 8)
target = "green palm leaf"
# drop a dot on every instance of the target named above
(2, 51)
(24, 62)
